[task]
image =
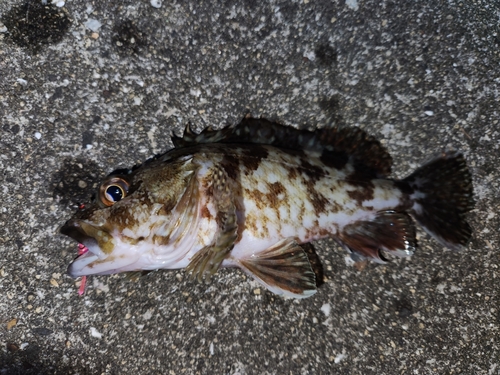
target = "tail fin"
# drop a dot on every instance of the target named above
(442, 194)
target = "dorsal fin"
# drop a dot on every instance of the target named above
(333, 143)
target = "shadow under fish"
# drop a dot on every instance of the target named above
(254, 196)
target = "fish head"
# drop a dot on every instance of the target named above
(130, 214)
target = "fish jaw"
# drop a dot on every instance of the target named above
(103, 256)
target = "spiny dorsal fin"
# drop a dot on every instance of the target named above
(336, 145)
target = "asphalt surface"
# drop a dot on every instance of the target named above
(95, 85)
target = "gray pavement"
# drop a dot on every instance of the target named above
(109, 89)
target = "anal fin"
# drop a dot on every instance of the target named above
(284, 269)
(389, 231)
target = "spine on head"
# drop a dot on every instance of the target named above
(441, 192)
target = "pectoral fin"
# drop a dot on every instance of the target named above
(207, 261)
(136, 275)
(315, 262)
(284, 269)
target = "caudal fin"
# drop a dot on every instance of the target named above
(442, 194)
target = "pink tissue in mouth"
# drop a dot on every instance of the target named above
(82, 249)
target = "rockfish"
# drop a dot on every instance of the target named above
(254, 195)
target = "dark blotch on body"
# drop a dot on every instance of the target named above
(205, 213)
(361, 194)
(361, 178)
(231, 166)
(313, 172)
(275, 189)
(252, 157)
(318, 201)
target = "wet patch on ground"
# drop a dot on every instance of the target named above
(33, 25)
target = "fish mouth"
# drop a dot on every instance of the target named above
(81, 264)
(98, 254)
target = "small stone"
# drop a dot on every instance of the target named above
(53, 282)
(82, 184)
(156, 3)
(95, 333)
(22, 82)
(11, 324)
(326, 308)
(257, 292)
(92, 24)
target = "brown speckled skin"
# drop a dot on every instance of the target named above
(276, 193)
(207, 205)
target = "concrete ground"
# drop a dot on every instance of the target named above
(97, 85)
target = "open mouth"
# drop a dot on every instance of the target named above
(88, 252)
(82, 249)
(78, 231)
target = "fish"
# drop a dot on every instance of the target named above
(255, 195)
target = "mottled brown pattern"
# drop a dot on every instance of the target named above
(257, 197)
(407, 190)
(231, 165)
(122, 216)
(361, 180)
(251, 225)
(251, 157)
(313, 172)
(319, 201)
(361, 194)
(275, 189)
(293, 172)
(205, 213)
(300, 215)
(161, 240)
(317, 232)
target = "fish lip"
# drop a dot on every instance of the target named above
(74, 230)
(73, 271)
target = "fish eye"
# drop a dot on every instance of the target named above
(113, 190)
